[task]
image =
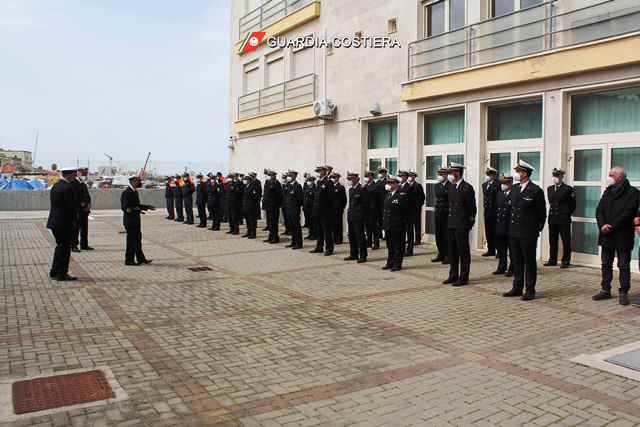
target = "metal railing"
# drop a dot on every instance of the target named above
(551, 25)
(269, 12)
(292, 93)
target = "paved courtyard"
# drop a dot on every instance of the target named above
(274, 337)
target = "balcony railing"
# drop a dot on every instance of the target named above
(292, 93)
(269, 12)
(547, 26)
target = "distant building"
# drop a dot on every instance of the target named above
(20, 159)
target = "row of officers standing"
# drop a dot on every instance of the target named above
(390, 208)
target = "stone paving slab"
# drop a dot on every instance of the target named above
(275, 337)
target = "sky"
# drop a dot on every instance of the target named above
(122, 77)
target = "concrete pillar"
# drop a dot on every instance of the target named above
(475, 152)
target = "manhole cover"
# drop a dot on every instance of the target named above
(630, 359)
(200, 269)
(62, 390)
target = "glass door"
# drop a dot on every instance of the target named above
(433, 162)
(504, 161)
(389, 163)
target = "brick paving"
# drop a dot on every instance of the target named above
(274, 337)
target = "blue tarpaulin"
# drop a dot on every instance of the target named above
(16, 185)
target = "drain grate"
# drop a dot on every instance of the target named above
(200, 269)
(630, 360)
(61, 390)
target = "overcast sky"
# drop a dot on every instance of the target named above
(122, 77)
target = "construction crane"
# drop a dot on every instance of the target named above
(110, 162)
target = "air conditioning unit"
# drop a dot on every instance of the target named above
(324, 109)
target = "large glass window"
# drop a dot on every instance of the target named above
(455, 158)
(501, 7)
(456, 14)
(444, 128)
(584, 237)
(515, 121)
(528, 3)
(435, 18)
(587, 165)
(587, 199)
(434, 163)
(375, 164)
(430, 222)
(383, 135)
(441, 16)
(612, 111)
(629, 158)
(533, 158)
(501, 162)
(392, 166)
(251, 77)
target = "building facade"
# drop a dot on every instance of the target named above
(482, 82)
(18, 158)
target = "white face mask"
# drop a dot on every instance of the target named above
(442, 178)
(381, 176)
(504, 187)
(411, 179)
(451, 178)
(610, 181)
(516, 177)
(289, 179)
(245, 182)
(556, 180)
(387, 187)
(335, 181)
(487, 178)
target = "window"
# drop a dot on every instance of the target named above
(251, 77)
(501, 162)
(587, 181)
(629, 159)
(612, 111)
(375, 164)
(504, 7)
(303, 63)
(533, 158)
(515, 121)
(383, 135)
(275, 69)
(584, 237)
(392, 26)
(444, 128)
(392, 166)
(433, 164)
(435, 19)
(588, 165)
(455, 158)
(441, 16)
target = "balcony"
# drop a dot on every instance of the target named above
(267, 14)
(292, 93)
(541, 29)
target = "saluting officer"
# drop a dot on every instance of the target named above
(420, 199)
(490, 190)
(201, 201)
(562, 204)
(309, 192)
(62, 223)
(406, 188)
(169, 200)
(271, 202)
(187, 197)
(251, 203)
(132, 209)
(356, 216)
(294, 199)
(371, 224)
(528, 216)
(323, 212)
(339, 205)
(214, 199)
(179, 199)
(396, 206)
(503, 222)
(441, 193)
(462, 217)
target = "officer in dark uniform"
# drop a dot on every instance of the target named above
(409, 190)
(201, 201)
(382, 194)
(373, 211)
(562, 204)
(490, 190)
(228, 196)
(251, 203)
(462, 217)
(528, 216)
(62, 223)
(503, 222)
(132, 210)
(420, 199)
(187, 197)
(85, 210)
(178, 197)
(294, 199)
(396, 208)
(356, 217)
(339, 205)
(441, 214)
(237, 195)
(271, 202)
(168, 197)
(214, 200)
(309, 190)
(77, 191)
(285, 218)
(323, 212)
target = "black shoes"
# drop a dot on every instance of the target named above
(386, 267)
(528, 296)
(445, 262)
(362, 260)
(437, 259)
(565, 265)
(131, 263)
(489, 253)
(316, 251)
(328, 253)
(498, 272)
(350, 258)
(450, 281)
(623, 298)
(145, 261)
(509, 273)
(460, 283)
(75, 249)
(550, 263)
(66, 278)
(602, 295)
(394, 269)
(513, 293)
(87, 248)
(375, 247)
(296, 247)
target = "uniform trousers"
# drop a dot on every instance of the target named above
(395, 247)
(562, 231)
(417, 226)
(442, 237)
(179, 210)
(357, 239)
(325, 230)
(188, 208)
(296, 228)
(525, 264)
(202, 214)
(133, 250)
(273, 219)
(490, 232)
(83, 221)
(62, 253)
(171, 209)
(624, 267)
(459, 254)
(338, 236)
(505, 254)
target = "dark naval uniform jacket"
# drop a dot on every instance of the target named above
(441, 192)
(462, 206)
(562, 203)
(528, 211)
(503, 212)
(358, 204)
(396, 206)
(63, 208)
(490, 190)
(323, 200)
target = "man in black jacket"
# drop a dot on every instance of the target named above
(407, 188)
(85, 210)
(420, 199)
(528, 216)
(77, 191)
(503, 222)
(441, 214)
(285, 218)
(201, 201)
(382, 194)
(236, 195)
(309, 190)
(251, 203)
(396, 206)
(339, 205)
(324, 213)
(371, 225)
(615, 215)
(562, 204)
(490, 190)
(168, 198)
(178, 197)
(462, 217)
(294, 199)
(271, 202)
(214, 200)
(132, 210)
(356, 215)
(62, 223)
(187, 198)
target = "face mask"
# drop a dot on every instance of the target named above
(289, 179)
(411, 179)
(610, 181)
(381, 176)
(442, 178)
(245, 182)
(504, 187)
(387, 187)
(516, 177)
(556, 180)
(487, 178)
(335, 181)
(451, 178)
